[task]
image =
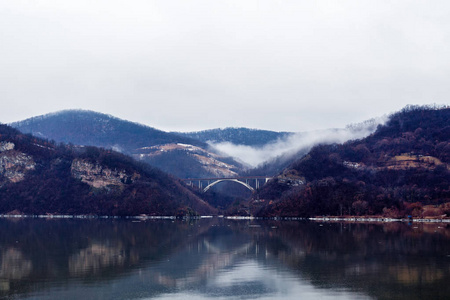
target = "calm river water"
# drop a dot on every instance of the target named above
(222, 259)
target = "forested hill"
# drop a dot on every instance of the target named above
(396, 171)
(238, 136)
(83, 127)
(39, 177)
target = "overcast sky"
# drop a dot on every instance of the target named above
(186, 65)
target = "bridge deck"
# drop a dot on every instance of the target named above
(223, 178)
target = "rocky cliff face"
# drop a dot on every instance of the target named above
(13, 164)
(99, 176)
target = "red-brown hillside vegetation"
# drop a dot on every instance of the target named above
(39, 177)
(399, 170)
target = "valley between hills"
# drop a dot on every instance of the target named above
(86, 163)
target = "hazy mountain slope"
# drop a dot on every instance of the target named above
(38, 177)
(81, 127)
(405, 161)
(238, 136)
(189, 161)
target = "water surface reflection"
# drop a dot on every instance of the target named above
(222, 259)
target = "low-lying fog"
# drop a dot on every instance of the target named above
(255, 156)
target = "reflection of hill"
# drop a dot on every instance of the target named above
(349, 256)
(95, 257)
(58, 250)
(120, 259)
(216, 249)
(14, 265)
(374, 259)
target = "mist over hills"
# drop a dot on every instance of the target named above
(272, 157)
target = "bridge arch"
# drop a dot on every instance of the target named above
(225, 179)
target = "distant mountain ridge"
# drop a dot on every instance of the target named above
(82, 127)
(237, 136)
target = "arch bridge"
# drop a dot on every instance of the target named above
(251, 182)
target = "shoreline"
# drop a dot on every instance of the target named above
(365, 219)
(377, 220)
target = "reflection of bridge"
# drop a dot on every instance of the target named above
(245, 181)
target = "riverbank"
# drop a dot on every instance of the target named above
(379, 219)
(365, 219)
